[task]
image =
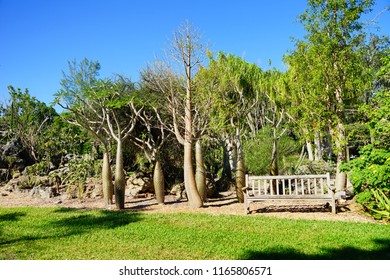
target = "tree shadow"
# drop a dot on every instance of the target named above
(80, 222)
(345, 253)
(83, 221)
(292, 208)
(9, 217)
(12, 217)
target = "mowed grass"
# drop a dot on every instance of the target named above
(70, 234)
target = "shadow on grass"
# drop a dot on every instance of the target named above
(345, 253)
(74, 222)
(84, 221)
(12, 217)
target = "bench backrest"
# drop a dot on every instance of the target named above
(288, 185)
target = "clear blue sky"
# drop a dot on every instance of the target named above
(39, 37)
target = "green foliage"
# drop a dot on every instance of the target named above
(376, 202)
(28, 182)
(38, 169)
(27, 119)
(381, 208)
(81, 169)
(370, 170)
(258, 152)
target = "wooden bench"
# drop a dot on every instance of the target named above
(294, 187)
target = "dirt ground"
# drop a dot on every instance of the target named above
(227, 204)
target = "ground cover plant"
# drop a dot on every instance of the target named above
(65, 233)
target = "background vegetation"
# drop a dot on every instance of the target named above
(207, 117)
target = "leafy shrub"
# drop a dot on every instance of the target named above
(28, 182)
(38, 169)
(381, 208)
(376, 202)
(370, 170)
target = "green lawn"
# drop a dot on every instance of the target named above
(61, 233)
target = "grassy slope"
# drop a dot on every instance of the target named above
(60, 233)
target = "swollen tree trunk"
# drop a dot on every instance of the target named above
(240, 177)
(158, 182)
(200, 176)
(189, 177)
(340, 143)
(120, 183)
(108, 187)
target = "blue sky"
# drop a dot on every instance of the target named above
(38, 37)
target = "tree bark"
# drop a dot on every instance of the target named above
(274, 158)
(108, 187)
(318, 153)
(120, 183)
(158, 182)
(227, 169)
(309, 148)
(200, 175)
(340, 142)
(240, 177)
(194, 198)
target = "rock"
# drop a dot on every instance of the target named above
(11, 148)
(43, 192)
(3, 175)
(137, 184)
(179, 191)
(93, 188)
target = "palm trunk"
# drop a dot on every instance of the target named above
(119, 178)
(108, 187)
(200, 175)
(158, 182)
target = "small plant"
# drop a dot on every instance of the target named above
(38, 169)
(29, 182)
(381, 208)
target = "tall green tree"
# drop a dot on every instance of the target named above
(174, 79)
(230, 83)
(336, 75)
(86, 111)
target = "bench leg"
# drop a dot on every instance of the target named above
(246, 205)
(333, 205)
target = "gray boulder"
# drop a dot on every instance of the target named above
(137, 184)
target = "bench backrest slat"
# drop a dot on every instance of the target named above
(288, 185)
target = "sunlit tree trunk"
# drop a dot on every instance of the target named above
(240, 175)
(158, 182)
(200, 175)
(108, 187)
(120, 183)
